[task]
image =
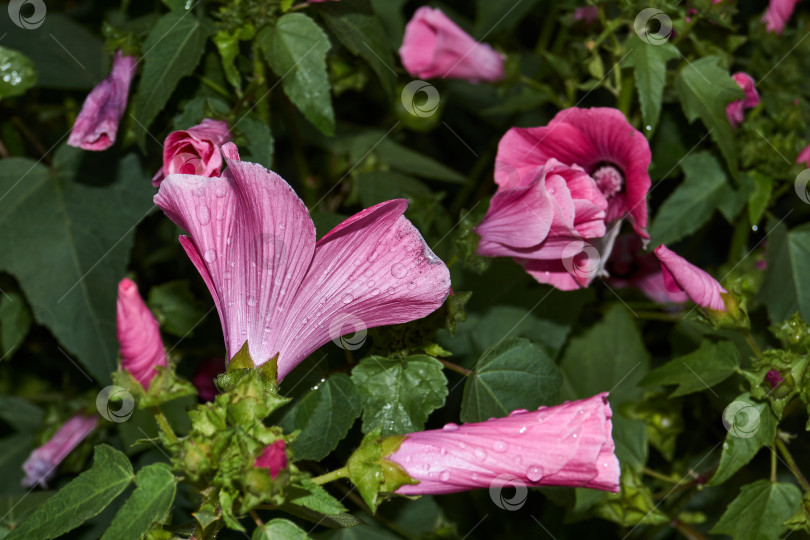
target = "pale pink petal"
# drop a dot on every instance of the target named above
(778, 14)
(41, 464)
(195, 150)
(138, 334)
(680, 275)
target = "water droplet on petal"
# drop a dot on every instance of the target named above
(450, 427)
(475, 477)
(375, 292)
(443, 451)
(411, 286)
(426, 467)
(251, 301)
(221, 191)
(370, 283)
(444, 476)
(518, 411)
(391, 290)
(210, 256)
(480, 454)
(347, 298)
(499, 446)
(203, 215)
(523, 430)
(399, 271)
(535, 473)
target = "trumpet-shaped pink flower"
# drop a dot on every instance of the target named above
(274, 286)
(565, 445)
(97, 123)
(138, 334)
(600, 141)
(734, 110)
(195, 150)
(434, 46)
(804, 156)
(682, 276)
(778, 14)
(273, 458)
(41, 464)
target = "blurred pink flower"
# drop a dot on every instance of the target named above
(274, 286)
(734, 110)
(195, 150)
(273, 458)
(565, 445)
(778, 14)
(588, 14)
(203, 380)
(41, 464)
(682, 276)
(96, 126)
(138, 335)
(435, 47)
(629, 266)
(804, 156)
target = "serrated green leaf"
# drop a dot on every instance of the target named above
(175, 307)
(514, 374)
(710, 364)
(759, 511)
(15, 508)
(150, 501)
(649, 63)
(296, 50)
(759, 197)
(786, 289)
(279, 529)
(258, 140)
(228, 46)
(17, 73)
(15, 321)
(398, 396)
(82, 498)
(392, 20)
(316, 498)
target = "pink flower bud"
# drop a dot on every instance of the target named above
(682, 276)
(195, 150)
(41, 464)
(138, 334)
(273, 458)
(734, 110)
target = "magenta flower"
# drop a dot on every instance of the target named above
(682, 276)
(195, 150)
(435, 47)
(600, 141)
(778, 14)
(41, 464)
(274, 286)
(273, 458)
(630, 267)
(804, 156)
(587, 14)
(138, 334)
(97, 123)
(734, 110)
(565, 445)
(774, 378)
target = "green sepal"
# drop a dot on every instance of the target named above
(371, 473)
(734, 317)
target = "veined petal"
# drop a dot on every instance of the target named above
(681, 275)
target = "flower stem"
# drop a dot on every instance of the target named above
(343, 472)
(656, 316)
(164, 425)
(658, 475)
(792, 464)
(773, 465)
(455, 367)
(753, 344)
(255, 516)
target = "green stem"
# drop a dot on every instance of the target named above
(773, 465)
(753, 344)
(214, 86)
(686, 530)
(792, 464)
(656, 316)
(658, 475)
(343, 472)
(548, 29)
(164, 425)
(455, 367)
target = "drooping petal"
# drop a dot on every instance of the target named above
(680, 275)
(195, 150)
(138, 335)
(41, 464)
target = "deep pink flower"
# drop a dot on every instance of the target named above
(565, 445)
(600, 141)
(195, 150)
(97, 123)
(138, 334)
(778, 14)
(207, 371)
(41, 464)
(682, 276)
(734, 110)
(273, 458)
(774, 378)
(253, 242)
(435, 47)
(588, 14)
(804, 156)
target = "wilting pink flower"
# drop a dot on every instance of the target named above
(195, 150)
(41, 464)
(588, 14)
(207, 371)
(253, 242)
(778, 14)
(774, 378)
(97, 123)
(804, 156)
(273, 458)
(434, 46)
(138, 334)
(734, 110)
(680, 275)
(565, 445)
(600, 141)
(628, 266)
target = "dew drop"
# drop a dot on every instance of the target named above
(444, 476)
(443, 451)
(462, 445)
(574, 435)
(304, 320)
(251, 301)
(535, 473)
(411, 286)
(203, 215)
(391, 290)
(518, 411)
(450, 427)
(221, 191)
(347, 298)
(399, 271)
(281, 226)
(210, 256)
(475, 477)
(375, 292)
(523, 430)
(198, 192)
(480, 454)
(499, 446)
(426, 467)
(370, 283)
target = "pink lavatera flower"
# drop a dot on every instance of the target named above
(734, 110)
(435, 47)
(682, 276)
(96, 126)
(566, 445)
(778, 14)
(804, 156)
(138, 335)
(601, 141)
(629, 266)
(274, 286)
(41, 464)
(273, 458)
(195, 150)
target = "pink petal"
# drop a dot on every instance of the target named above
(273, 458)
(41, 464)
(680, 275)
(778, 14)
(804, 156)
(138, 334)
(195, 150)
(629, 266)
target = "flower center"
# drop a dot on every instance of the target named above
(609, 180)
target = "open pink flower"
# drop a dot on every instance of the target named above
(734, 110)
(565, 445)
(778, 14)
(195, 150)
(434, 46)
(682, 276)
(138, 334)
(274, 286)
(600, 141)
(41, 464)
(804, 156)
(273, 458)
(97, 123)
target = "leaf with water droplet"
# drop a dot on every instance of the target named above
(17, 73)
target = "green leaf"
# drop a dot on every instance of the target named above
(499, 17)
(20, 414)
(398, 396)
(693, 202)
(316, 498)
(786, 289)
(378, 186)
(258, 140)
(406, 160)
(514, 374)
(759, 197)
(391, 18)
(279, 529)
(150, 501)
(630, 436)
(82, 498)
(324, 416)
(85, 231)
(15, 508)
(17, 73)
(649, 63)
(759, 511)
(751, 425)
(228, 46)
(296, 50)
(705, 89)
(710, 364)
(171, 51)
(15, 321)
(175, 307)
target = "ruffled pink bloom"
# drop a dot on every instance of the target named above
(682, 276)
(600, 141)
(778, 14)
(203, 380)
(565, 445)
(138, 334)
(734, 110)
(273, 458)
(804, 156)
(630, 267)
(97, 123)
(588, 14)
(435, 47)
(195, 150)
(41, 464)
(274, 286)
